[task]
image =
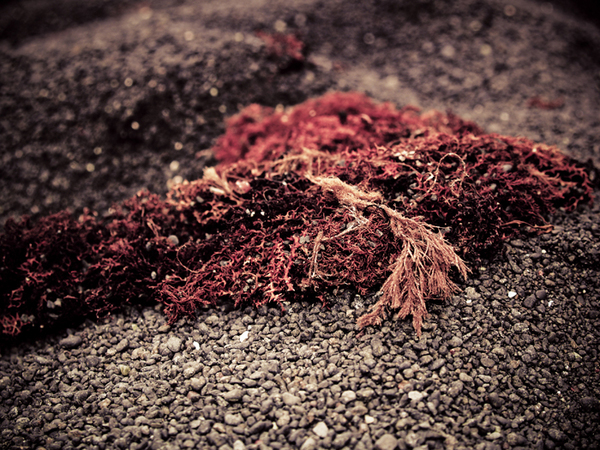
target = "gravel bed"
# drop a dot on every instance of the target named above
(93, 110)
(512, 362)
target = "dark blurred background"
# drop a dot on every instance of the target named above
(20, 19)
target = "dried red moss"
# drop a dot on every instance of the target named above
(541, 103)
(336, 191)
(481, 188)
(280, 45)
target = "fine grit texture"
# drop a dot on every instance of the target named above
(102, 99)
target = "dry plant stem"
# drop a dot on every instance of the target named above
(420, 272)
(312, 271)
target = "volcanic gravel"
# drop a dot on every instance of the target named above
(120, 96)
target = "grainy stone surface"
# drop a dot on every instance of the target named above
(94, 110)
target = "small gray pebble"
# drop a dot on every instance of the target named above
(71, 341)
(530, 301)
(122, 345)
(290, 399)
(455, 341)
(92, 360)
(455, 388)
(370, 362)
(377, 347)
(197, 383)
(233, 419)
(366, 393)
(495, 400)
(191, 368)
(590, 403)
(341, 439)
(234, 395)
(557, 435)
(386, 442)
(488, 362)
(436, 364)
(309, 444)
(514, 439)
(174, 344)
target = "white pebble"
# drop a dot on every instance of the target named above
(244, 336)
(448, 51)
(321, 429)
(125, 370)
(239, 445)
(415, 395)
(348, 396)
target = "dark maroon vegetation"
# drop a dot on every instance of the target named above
(336, 191)
(281, 46)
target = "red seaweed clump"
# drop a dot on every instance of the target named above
(479, 188)
(336, 191)
(281, 45)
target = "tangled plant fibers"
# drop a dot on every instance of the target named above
(336, 191)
